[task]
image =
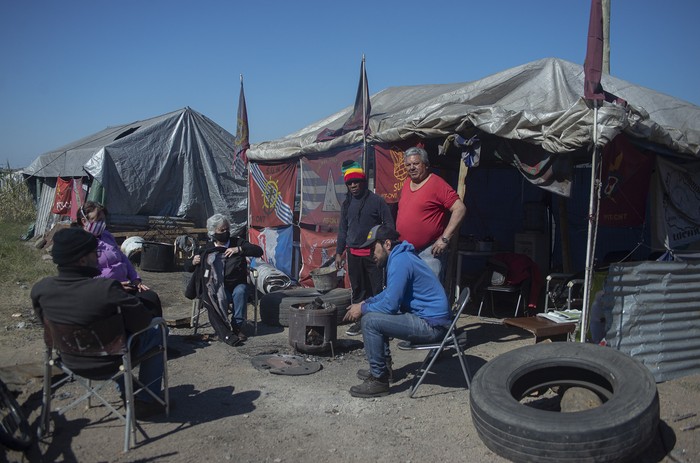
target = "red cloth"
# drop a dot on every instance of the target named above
(520, 268)
(422, 216)
(62, 198)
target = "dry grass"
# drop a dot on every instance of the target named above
(22, 266)
(16, 202)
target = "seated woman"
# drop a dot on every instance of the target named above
(227, 283)
(111, 261)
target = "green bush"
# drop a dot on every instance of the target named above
(16, 202)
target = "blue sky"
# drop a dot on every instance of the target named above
(73, 67)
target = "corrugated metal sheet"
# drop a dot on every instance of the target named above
(656, 315)
(44, 217)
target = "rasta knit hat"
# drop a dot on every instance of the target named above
(70, 244)
(352, 171)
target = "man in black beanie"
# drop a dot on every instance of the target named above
(76, 297)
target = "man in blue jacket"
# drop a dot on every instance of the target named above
(412, 307)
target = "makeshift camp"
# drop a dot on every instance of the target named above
(178, 164)
(532, 117)
(519, 145)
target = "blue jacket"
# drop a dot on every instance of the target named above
(410, 287)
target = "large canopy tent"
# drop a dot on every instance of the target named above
(534, 117)
(540, 103)
(178, 164)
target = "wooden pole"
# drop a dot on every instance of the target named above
(454, 240)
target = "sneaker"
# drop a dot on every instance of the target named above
(232, 340)
(371, 387)
(355, 329)
(238, 332)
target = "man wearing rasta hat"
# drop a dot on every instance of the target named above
(76, 297)
(360, 211)
(412, 307)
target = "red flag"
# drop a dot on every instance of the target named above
(359, 119)
(593, 65)
(241, 143)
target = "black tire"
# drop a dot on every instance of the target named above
(14, 430)
(618, 430)
(275, 307)
(340, 297)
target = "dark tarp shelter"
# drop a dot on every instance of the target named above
(178, 164)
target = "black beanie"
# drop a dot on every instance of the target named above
(70, 244)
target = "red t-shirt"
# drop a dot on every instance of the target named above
(422, 215)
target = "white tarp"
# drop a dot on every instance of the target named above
(539, 102)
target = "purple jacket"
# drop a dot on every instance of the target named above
(112, 262)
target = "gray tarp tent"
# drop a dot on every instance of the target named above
(178, 164)
(539, 102)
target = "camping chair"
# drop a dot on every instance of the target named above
(104, 338)
(451, 340)
(555, 290)
(198, 307)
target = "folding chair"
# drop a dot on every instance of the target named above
(503, 289)
(104, 338)
(452, 339)
(197, 302)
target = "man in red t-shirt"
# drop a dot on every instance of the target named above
(424, 204)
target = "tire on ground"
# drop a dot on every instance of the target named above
(275, 307)
(618, 430)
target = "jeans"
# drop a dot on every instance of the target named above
(436, 264)
(151, 370)
(377, 328)
(239, 300)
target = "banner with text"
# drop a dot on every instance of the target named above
(322, 187)
(391, 172)
(625, 175)
(316, 249)
(679, 202)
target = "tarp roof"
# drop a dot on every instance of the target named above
(178, 164)
(539, 102)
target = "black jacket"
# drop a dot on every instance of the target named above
(75, 297)
(235, 267)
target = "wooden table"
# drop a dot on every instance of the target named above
(542, 328)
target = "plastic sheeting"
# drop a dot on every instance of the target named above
(270, 279)
(539, 102)
(176, 165)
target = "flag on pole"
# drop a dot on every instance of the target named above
(359, 119)
(593, 65)
(241, 143)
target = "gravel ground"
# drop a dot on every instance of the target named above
(227, 409)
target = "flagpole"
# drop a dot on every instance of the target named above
(592, 226)
(247, 181)
(364, 115)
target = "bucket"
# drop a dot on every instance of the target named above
(324, 278)
(157, 257)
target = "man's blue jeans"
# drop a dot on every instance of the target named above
(377, 328)
(239, 300)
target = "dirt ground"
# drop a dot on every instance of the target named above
(227, 409)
